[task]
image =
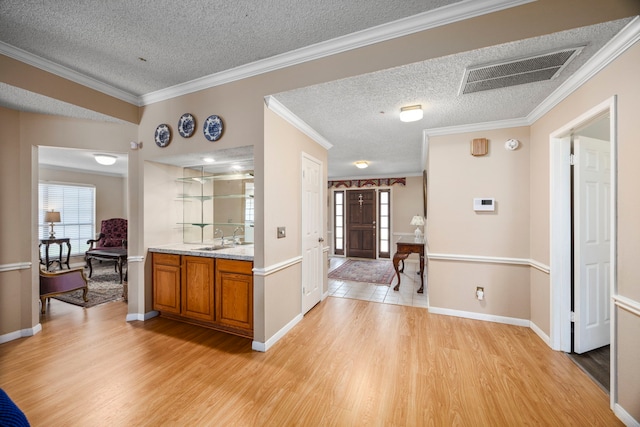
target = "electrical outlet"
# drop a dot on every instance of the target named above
(479, 293)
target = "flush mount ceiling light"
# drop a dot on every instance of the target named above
(361, 164)
(411, 113)
(208, 159)
(105, 159)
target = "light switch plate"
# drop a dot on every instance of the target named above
(282, 232)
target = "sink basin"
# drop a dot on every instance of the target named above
(212, 248)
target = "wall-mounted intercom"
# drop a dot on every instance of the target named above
(484, 204)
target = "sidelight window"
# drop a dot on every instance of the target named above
(338, 209)
(384, 221)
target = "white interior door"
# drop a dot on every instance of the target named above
(312, 236)
(592, 243)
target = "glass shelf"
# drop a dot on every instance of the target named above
(206, 178)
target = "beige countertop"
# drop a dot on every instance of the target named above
(240, 252)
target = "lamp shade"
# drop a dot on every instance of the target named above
(417, 220)
(52, 216)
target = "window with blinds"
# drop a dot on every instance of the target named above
(76, 204)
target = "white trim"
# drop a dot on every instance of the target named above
(277, 267)
(539, 332)
(67, 73)
(488, 259)
(478, 127)
(402, 27)
(480, 316)
(625, 417)
(15, 266)
(135, 258)
(614, 48)
(627, 304)
(274, 105)
(263, 347)
(142, 316)
(29, 332)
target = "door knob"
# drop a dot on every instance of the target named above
(320, 240)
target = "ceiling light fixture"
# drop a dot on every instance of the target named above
(411, 113)
(208, 159)
(105, 159)
(361, 164)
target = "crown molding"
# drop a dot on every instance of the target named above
(614, 48)
(274, 105)
(66, 73)
(402, 27)
(475, 127)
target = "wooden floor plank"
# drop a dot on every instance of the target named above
(348, 362)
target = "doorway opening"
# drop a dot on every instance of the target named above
(573, 321)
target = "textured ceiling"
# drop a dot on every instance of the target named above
(187, 40)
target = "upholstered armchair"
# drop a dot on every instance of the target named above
(113, 234)
(60, 282)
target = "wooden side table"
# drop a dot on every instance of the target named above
(59, 241)
(406, 246)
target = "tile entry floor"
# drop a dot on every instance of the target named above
(407, 295)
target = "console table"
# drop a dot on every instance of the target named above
(117, 254)
(406, 246)
(59, 242)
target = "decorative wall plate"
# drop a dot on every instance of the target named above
(213, 128)
(163, 135)
(186, 125)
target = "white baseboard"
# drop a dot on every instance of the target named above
(141, 316)
(260, 346)
(23, 333)
(539, 332)
(625, 417)
(480, 316)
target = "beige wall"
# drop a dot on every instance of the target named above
(20, 135)
(618, 79)
(283, 149)
(454, 229)
(111, 191)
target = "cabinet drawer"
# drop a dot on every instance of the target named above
(234, 266)
(166, 259)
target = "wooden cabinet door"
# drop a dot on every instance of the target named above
(234, 293)
(197, 287)
(166, 283)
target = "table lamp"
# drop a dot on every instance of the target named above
(417, 220)
(51, 217)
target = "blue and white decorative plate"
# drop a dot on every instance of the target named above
(163, 135)
(213, 128)
(186, 125)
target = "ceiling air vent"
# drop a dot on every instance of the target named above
(516, 72)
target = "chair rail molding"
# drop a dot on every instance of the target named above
(489, 259)
(15, 266)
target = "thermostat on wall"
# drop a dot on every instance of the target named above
(484, 204)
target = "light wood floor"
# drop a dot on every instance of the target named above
(349, 362)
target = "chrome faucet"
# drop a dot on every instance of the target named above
(235, 231)
(221, 235)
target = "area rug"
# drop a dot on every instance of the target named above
(374, 271)
(104, 286)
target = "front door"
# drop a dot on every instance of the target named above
(361, 223)
(592, 243)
